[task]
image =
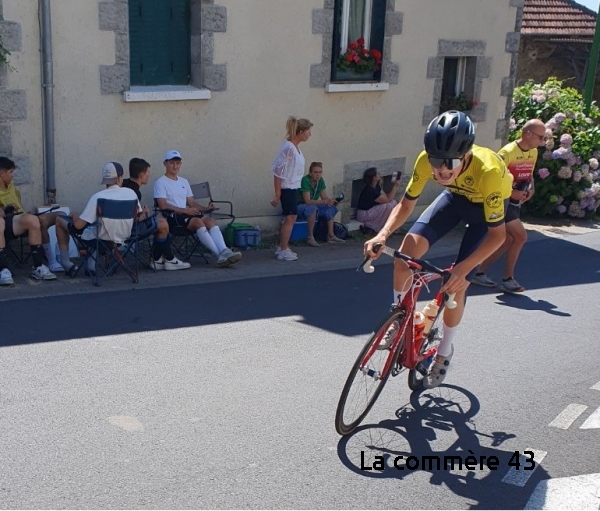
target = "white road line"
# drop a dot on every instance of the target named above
(520, 477)
(593, 421)
(578, 492)
(596, 387)
(565, 418)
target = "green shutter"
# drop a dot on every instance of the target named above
(159, 42)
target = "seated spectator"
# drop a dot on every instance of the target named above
(175, 199)
(374, 205)
(314, 203)
(117, 230)
(16, 222)
(162, 255)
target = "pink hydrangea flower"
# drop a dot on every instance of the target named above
(593, 163)
(543, 173)
(561, 209)
(566, 140)
(513, 125)
(559, 117)
(565, 172)
(577, 176)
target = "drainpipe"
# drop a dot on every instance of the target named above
(47, 100)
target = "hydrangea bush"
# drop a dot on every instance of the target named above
(567, 174)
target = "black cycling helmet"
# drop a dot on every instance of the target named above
(449, 135)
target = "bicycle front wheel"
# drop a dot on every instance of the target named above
(369, 375)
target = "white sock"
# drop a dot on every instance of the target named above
(217, 237)
(445, 347)
(65, 260)
(402, 295)
(206, 240)
(46, 247)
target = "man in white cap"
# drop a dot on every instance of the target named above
(175, 199)
(116, 230)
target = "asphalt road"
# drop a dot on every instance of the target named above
(223, 395)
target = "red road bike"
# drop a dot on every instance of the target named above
(393, 346)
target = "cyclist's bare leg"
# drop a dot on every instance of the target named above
(518, 236)
(452, 317)
(413, 245)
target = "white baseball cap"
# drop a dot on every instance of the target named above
(171, 155)
(111, 171)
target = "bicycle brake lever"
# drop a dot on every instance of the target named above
(366, 265)
(450, 302)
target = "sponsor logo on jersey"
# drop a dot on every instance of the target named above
(494, 200)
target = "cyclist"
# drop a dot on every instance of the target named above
(478, 187)
(520, 158)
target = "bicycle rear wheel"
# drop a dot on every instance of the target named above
(367, 376)
(415, 378)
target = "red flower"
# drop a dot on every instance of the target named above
(361, 41)
(376, 54)
(349, 57)
(353, 46)
(365, 52)
(474, 103)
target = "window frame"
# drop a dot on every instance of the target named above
(373, 34)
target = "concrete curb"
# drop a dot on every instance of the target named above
(255, 264)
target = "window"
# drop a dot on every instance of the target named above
(359, 27)
(458, 85)
(159, 42)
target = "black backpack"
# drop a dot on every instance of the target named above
(320, 231)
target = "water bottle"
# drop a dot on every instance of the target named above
(419, 325)
(430, 312)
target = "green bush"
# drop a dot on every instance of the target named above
(567, 178)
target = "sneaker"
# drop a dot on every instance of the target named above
(287, 255)
(223, 259)
(42, 273)
(438, 372)
(483, 280)
(278, 251)
(157, 265)
(512, 286)
(233, 257)
(311, 242)
(175, 264)
(55, 266)
(334, 239)
(6, 278)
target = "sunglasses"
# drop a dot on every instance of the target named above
(451, 163)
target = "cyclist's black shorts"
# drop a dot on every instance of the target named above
(445, 213)
(513, 212)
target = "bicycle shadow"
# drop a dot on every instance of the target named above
(442, 416)
(524, 302)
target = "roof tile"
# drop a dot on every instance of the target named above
(558, 19)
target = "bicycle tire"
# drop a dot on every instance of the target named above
(342, 426)
(415, 378)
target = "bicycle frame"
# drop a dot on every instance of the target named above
(410, 356)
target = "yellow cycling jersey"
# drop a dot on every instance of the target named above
(519, 163)
(485, 181)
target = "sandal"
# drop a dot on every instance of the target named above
(72, 271)
(312, 242)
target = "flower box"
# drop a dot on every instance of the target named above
(350, 75)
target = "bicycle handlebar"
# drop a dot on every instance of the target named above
(367, 267)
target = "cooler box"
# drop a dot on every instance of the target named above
(299, 231)
(241, 235)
